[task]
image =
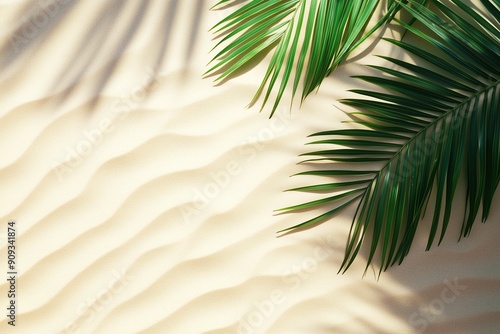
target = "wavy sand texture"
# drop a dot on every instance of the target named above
(144, 195)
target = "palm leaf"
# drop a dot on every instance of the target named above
(310, 39)
(432, 123)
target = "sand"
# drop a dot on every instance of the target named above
(143, 195)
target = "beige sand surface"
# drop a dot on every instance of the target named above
(144, 195)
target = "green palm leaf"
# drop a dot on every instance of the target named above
(310, 39)
(430, 125)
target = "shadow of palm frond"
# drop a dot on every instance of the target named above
(37, 20)
(99, 43)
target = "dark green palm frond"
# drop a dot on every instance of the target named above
(310, 39)
(425, 129)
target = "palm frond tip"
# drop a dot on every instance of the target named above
(310, 39)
